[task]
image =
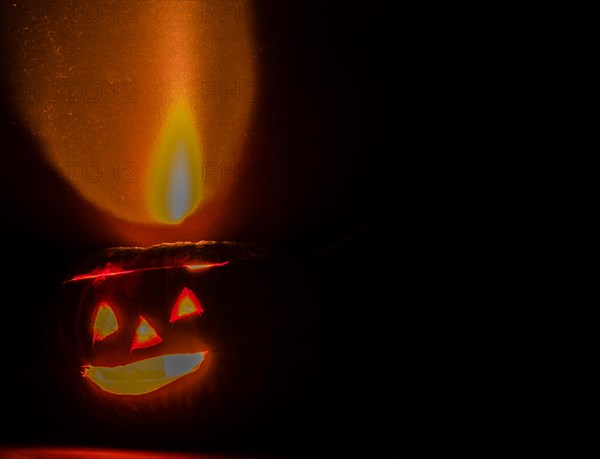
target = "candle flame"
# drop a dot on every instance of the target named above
(176, 181)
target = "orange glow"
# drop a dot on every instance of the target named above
(145, 335)
(105, 323)
(167, 92)
(187, 305)
(175, 187)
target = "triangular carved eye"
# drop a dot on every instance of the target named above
(145, 335)
(105, 323)
(186, 305)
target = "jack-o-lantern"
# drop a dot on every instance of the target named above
(201, 333)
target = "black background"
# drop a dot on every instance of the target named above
(339, 68)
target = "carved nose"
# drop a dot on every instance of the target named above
(145, 335)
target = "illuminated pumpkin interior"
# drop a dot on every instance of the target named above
(145, 375)
(145, 335)
(105, 323)
(187, 305)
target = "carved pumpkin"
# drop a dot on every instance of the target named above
(184, 331)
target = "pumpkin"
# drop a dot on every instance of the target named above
(189, 334)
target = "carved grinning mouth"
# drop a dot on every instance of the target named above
(144, 376)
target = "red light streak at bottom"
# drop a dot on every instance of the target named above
(94, 453)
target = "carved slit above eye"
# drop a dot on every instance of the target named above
(105, 322)
(186, 305)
